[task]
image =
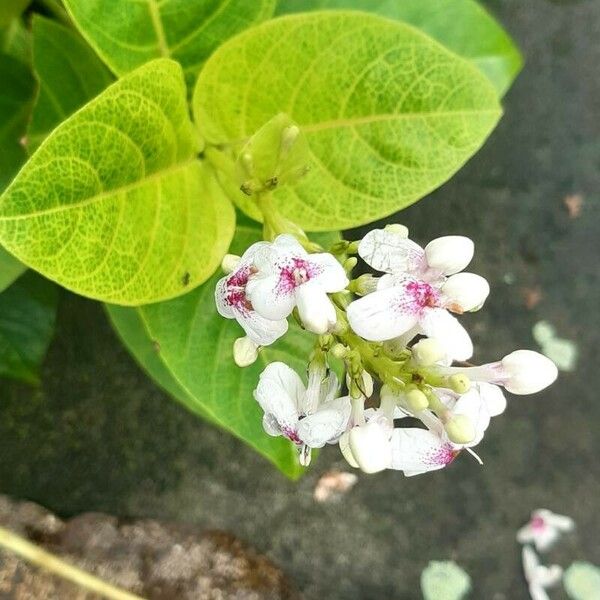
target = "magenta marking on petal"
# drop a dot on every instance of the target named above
(442, 456)
(235, 285)
(291, 434)
(418, 295)
(538, 524)
(294, 273)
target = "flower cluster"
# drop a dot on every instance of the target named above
(401, 332)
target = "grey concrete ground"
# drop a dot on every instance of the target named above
(100, 436)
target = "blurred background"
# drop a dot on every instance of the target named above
(99, 436)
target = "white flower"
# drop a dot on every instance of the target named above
(544, 529)
(232, 300)
(538, 576)
(520, 372)
(287, 276)
(416, 451)
(416, 293)
(309, 418)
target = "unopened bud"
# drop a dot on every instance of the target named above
(245, 352)
(459, 429)
(528, 372)
(363, 381)
(465, 292)
(229, 263)
(371, 447)
(363, 285)
(416, 400)
(352, 247)
(398, 229)
(427, 352)
(459, 383)
(346, 451)
(350, 263)
(339, 351)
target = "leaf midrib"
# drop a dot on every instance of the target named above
(103, 195)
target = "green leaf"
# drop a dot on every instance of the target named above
(69, 74)
(186, 347)
(389, 113)
(10, 269)
(129, 33)
(16, 97)
(463, 26)
(114, 204)
(15, 40)
(582, 581)
(10, 9)
(444, 580)
(27, 316)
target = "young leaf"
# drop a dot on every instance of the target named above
(463, 26)
(69, 74)
(129, 33)
(10, 269)
(114, 204)
(188, 349)
(27, 315)
(389, 114)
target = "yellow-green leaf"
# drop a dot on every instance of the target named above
(389, 113)
(114, 204)
(128, 33)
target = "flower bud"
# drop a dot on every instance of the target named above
(245, 351)
(363, 285)
(528, 372)
(416, 400)
(346, 451)
(350, 263)
(398, 229)
(229, 263)
(459, 383)
(459, 429)
(339, 351)
(427, 352)
(449, 254)
(371, 447)
(317, 313)
(465, 291)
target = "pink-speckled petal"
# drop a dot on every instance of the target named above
(261, 331)
(390, 252)
(329, 273)
(416, 451)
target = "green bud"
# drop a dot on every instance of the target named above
(398, 229)
(276, 154)
(460, 430)
(459, 383)
(416, 400)
(339, 351)
(427, 352)
(339, 247)
(352, 247)
(350, 263)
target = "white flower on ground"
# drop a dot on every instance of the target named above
(544, 529)
(419, 289)
(308, 417)
(538, 576)
(233, 302)
(287, 276)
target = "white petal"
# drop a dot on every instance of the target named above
(465, 291)
(438, 323)
(449, 254)
(346, 451)
(329, 272)
(261, 331)
(531, 562)
(537, 592)
(561, 522)
(287, 245)
(280, 393)
(270, 425)
(371, 447)
(268, 297)
(327, 424)
(493, 397)
(390, 252)
(223, 307)
(317, 312)
(382, 315)
(417, 451)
